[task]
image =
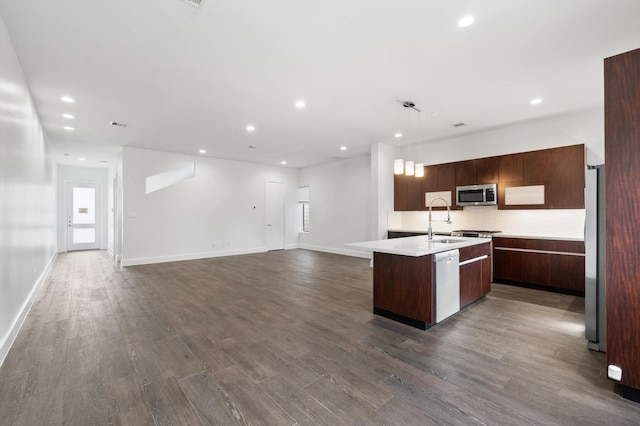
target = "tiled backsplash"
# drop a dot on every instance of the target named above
(527, 223)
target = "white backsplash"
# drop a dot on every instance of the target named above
(527, 223)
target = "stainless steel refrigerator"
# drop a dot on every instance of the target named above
(594, 241)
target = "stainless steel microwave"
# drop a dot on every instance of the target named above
(477, 195)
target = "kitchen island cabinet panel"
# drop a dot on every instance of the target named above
(403, 285)
(475, 277)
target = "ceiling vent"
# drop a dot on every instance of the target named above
(458, 124)
(195, 3)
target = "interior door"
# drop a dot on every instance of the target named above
(83, 216)
(274, 208)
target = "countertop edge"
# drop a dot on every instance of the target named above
(415, 246)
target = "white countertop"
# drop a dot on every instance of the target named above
(417, 246)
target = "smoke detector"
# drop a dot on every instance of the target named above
(195, 3)
(458, 124)
(113, 123)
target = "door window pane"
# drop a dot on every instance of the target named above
(84, 206)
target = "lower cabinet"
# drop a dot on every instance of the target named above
(475, 273)
(555, 264)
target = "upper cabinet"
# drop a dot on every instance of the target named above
(487, 170)
(545, 179)
(553, 178)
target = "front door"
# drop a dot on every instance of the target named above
(83, 216)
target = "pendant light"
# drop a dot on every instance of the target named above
(419, 166)
(408, 165)
(398, 163)
(409, 168)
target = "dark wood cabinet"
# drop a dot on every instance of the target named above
(536, 165)
(622, 171)
(566, 178)
(487, 170)
(465, 172)
(512, 168)
(402, 234)
(401, 192)
(561, 171)
(403, 285)
(555, 264)
(475, 277)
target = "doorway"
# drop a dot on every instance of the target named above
(84, 218)
(274, 210)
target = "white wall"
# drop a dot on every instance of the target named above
(27, 197)
(208, 215)
(83, 174)
(382, 188)
(340, 200)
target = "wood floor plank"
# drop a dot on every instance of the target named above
(168, 403)
(253, 405)
(289, 337)
(212, 403)
(298, 404)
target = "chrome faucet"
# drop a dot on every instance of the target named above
(430, 231)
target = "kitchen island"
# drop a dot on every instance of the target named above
(404, 281)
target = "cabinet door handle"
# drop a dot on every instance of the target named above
(475, 259)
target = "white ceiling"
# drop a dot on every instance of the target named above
(185, 78)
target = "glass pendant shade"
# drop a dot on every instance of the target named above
(409, 168)
(398, 166)
(419, 170)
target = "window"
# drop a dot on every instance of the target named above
(303, 201)
(305, 216)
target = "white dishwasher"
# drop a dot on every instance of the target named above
(447, 283)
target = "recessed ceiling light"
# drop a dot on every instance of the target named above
(466, 21)
(69, 128)
(283, 162)
(398, 135)
(68, 116)
(536, 101)
(81, 158)
(68, 99)
(343, 148)
(250, 128)
(300, 104)
(203, 151)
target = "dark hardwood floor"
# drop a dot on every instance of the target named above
(287, 338)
